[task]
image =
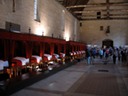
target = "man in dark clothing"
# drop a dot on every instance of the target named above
(114, 57)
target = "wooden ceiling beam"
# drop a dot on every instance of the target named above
(101, 10)
(99, 4)
(116, 18)
(80, 7)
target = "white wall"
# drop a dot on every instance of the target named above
(53, 20)
(91, 33)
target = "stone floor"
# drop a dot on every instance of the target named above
(81, 79)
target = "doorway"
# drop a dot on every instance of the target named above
(108, 43)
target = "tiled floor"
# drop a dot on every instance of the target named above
(97, 79)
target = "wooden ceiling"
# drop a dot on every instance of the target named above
(73, 3)
(85, 10)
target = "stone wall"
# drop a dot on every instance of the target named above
(92, 34)
(54, 18)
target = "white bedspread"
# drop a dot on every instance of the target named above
(48, 56)
(83, 52)
(63, 54)
(80, 52)
(23, 60)
(56, 55)
(77, 52)
(38, 58)
(74, 53)
(71, 53)
(3, 64)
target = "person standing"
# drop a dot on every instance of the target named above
(101, 53)
(114, 56)
(119, 54)
(88, 55)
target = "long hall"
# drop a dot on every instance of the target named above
(81, 79)
(46, 47)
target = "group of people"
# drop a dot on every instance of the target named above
(120, 54)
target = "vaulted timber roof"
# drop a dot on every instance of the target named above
(74, 3)
(106, 9)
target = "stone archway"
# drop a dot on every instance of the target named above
(107, 42)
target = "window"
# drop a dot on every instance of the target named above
(98, 15)
(36, 14)
(12, 26)
(63, 20)
(13, 6)
(101, 28)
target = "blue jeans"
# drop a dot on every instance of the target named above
(89, 60)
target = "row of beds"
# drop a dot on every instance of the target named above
(20, 64)
(36, 61)
(35, 64)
